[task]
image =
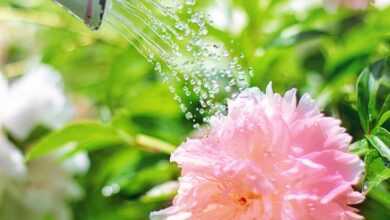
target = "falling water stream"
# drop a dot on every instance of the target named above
(174, 37)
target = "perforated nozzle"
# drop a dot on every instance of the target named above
(90, 11)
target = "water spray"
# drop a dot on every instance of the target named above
(173, 37)
(90, 11)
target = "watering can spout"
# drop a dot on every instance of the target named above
(90, 11)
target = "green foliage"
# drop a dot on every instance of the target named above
(367, 89)
(84, 135)
(380, 140)
(90, 136)
(360, 147)
(377, 170)
(376, 144)
(385, 115)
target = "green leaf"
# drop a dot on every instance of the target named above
(374, 207)
(162, 192)
(367, 88)
(377, 170)
(359, 147)
(381, 194)
(82, 134)
(150, 176)
(364, 94)
(386, 105)
(381, 141)
(384, 115)
(296, 38)
(384, 118)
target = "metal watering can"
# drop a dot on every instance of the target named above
(90, 11)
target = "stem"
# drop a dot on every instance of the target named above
(154, 144)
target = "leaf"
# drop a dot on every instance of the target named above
(364, 94)
(377, 170)
(83, 134)
(384, 118)
(384, 115)
(381, 141)
(374, 208)
(162, 192)
(386, 105)
(359, 147)
(381, 194)
(367, 88)
(150, 176)
(293, 39)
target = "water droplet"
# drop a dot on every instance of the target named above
(186, 57)
(188, 115)
(110, 190)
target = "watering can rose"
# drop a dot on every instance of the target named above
(270, 158)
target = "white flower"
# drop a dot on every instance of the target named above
(11, 160)
(47, 191)
(36, 98)
(12, 167)
(44, 186)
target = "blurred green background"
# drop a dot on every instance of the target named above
(317, 51)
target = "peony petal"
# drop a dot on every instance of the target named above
(269, 158)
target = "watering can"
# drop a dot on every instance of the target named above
(90, 11)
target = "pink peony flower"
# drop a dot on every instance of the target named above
(269, 158)
(352, 4)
